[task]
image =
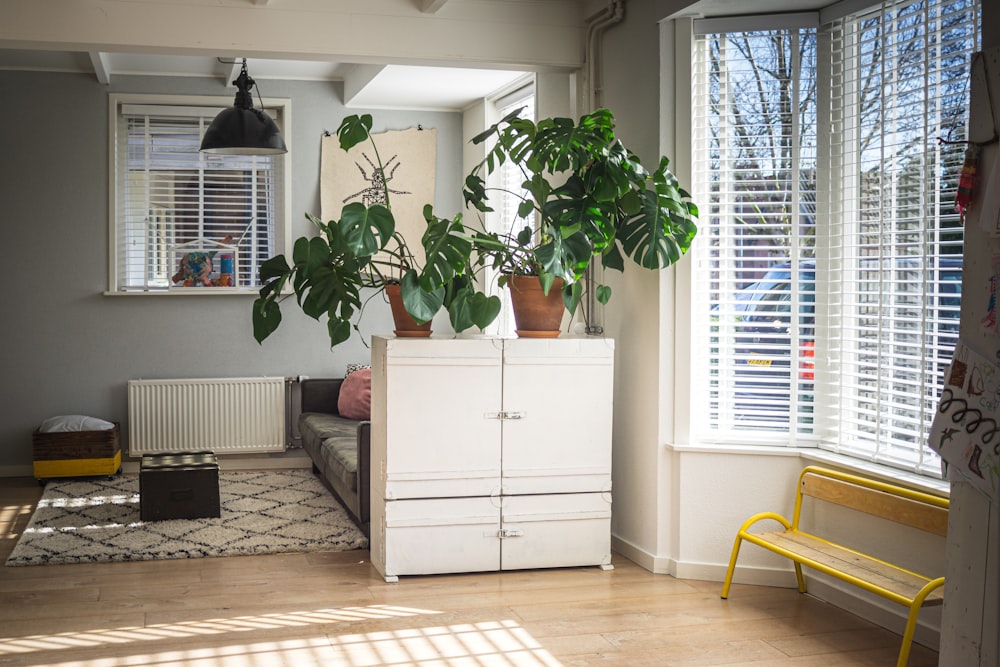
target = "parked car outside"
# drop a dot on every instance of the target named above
(761, 333)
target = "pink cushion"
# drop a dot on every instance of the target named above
(355, 401)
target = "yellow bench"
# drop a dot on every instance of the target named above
(888, 501)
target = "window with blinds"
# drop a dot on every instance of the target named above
(900, 82)
(828, 269)
(184, 218)
(755, 173)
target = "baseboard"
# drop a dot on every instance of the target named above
(292, 459)
(641, 557)
(870, 607)
(17, 471)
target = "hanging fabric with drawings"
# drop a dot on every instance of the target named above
(409, 161)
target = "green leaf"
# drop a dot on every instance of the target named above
(612, 258)
(275, 267)
(421, 304)
(565, 257)
(571, 294)
(446, 250)
(475, 193)
(659, 234)
(266, 318)
(470, 308)
(353, 130)
(366, 230)
(484, 309)
(310, 253)
(603, 294)
(339, 330)
(524, 236)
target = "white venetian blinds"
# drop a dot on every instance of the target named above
(900, 82)
(170, 196)
(755, 175)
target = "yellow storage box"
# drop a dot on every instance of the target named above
(76, 453)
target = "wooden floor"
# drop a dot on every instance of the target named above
(332, 609)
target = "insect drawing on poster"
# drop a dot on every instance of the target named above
(407, 175)
(375, 192)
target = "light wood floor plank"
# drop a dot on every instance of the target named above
(334, 609)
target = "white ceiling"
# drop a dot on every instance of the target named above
(388, 87)
(366, 85)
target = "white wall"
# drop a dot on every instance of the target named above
(677, 507)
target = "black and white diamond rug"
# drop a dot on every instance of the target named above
(97, 520)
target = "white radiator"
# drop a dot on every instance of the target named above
(226, 415)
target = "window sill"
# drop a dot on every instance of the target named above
(188, 291)
(811, 455)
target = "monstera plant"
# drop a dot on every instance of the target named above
(336, 272)
(585, 197)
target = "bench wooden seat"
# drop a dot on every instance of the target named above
(887, 501)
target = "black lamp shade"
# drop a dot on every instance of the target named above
(241, 129)
(238, 131)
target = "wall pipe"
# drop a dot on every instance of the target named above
(596, 26)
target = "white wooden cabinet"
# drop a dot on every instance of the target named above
(490, 454)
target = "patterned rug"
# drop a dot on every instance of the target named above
(97, 520)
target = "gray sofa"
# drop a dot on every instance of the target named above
(340, 448)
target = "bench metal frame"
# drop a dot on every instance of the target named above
(888, 501)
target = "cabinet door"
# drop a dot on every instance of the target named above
(562, 530)
(440, 535)
(435, 426)
(557, 396)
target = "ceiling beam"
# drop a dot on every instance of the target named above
(357, 78)
(102, 69)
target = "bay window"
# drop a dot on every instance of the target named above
(827, 271)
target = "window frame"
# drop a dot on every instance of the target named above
(278, 108)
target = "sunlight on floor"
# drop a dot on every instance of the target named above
(203, 628)
(10, 516)
(487, 643)
(490, 643)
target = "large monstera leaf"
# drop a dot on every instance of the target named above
(565, 257)
(663, 229)
(353, 130)
(366, 229)
(446, 250)
(562, 145)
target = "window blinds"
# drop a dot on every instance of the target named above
(900, 77)
(755, 172)
(171, 197)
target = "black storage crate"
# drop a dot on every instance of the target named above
(179, 486)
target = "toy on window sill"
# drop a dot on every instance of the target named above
(195, 269)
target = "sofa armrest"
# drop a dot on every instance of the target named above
(364, 471)
(321, 394)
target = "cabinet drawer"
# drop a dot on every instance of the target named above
(560, 530)
(441, 535)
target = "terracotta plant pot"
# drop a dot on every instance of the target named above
(536, 315)
(405, 326)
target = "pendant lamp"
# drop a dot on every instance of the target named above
(241, 129)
